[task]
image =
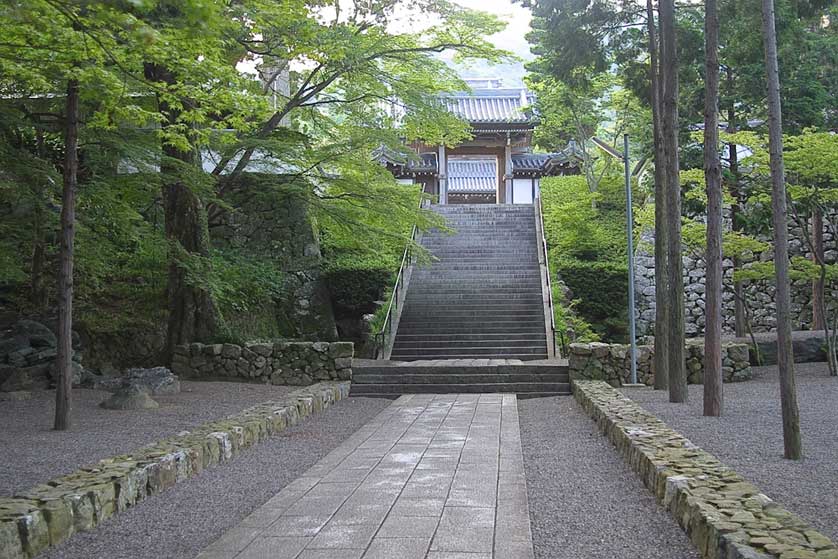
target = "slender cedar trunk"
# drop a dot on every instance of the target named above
(193, 316)
(64, 360)
(713, 179)
(818, 299)
(740, 317)
(785, 357)
(38, 294)
(661, 355)
(675, 282)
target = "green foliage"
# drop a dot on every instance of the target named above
(568, 320)
(356, 281)
(586, 237)
(140, 63)
(577, 222)
(600, 291)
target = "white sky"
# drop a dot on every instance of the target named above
(512, 39)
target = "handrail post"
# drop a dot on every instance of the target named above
(549, 282)
(407, 259)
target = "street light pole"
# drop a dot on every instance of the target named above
(630, 239)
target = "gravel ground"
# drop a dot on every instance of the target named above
(181, 522)
(33, 453)
(584, 500)
(749, 437)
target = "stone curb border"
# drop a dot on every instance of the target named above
(51, 512)
(724, 516)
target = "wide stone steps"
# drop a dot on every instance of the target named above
(499, 336)
(480, 297)
(453, 342)
(448, 330)
(449, 352)
(521, 378)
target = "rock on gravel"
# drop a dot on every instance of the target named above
(749, 437)
(181, 522)
(585, 502)
(131, 397)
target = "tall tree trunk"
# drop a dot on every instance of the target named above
(661, 355)
(785, 357)
(64, 360)
(818, 299)
(713, 180)
(740, 317)
(193, 316)
(38, 295)
(675, 266)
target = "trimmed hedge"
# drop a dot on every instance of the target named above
(601, 292)
(356, 282)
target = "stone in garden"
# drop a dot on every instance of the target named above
(157, 380)
(35, 377)
(15, 396)
(130, 397)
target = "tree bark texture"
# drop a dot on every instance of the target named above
(64, 359)
(713, 180)
(661, 353)
(785, 358)
(193, 316)
(675, 266)
(818, 299)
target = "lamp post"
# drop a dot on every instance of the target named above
(630, 242)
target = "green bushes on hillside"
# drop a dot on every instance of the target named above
(586, 238)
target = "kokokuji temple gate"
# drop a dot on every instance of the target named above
(497, 165)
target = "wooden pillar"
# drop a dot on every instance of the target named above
(443, 176)
(507, 170)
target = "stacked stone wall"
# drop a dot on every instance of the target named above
(758, 294)
(612, 363)
(286, 363)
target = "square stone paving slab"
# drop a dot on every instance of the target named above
(431, 477)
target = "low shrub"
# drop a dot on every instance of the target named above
(600, 294)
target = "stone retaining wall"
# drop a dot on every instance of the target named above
(724, 516)
(611, 363)
(759, 294)
(51, 512)
(288, 363)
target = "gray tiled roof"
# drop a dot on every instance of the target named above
(470, 175)
(491, 106)
(422, 163)
(530, 161)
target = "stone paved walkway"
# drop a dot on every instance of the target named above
(432, 476)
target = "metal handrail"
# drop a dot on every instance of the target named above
(383, 334)
(547, 269)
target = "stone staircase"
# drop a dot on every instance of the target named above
(527, 379)
(483, 297)
(473, 320)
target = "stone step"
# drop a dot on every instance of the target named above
(464, 303)
(474, 316)
(448, 330)
(453, 341)
(433, 326)
(521, 389)
(498, 351)
(407, 376)
(501, 336)
(427, 356)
